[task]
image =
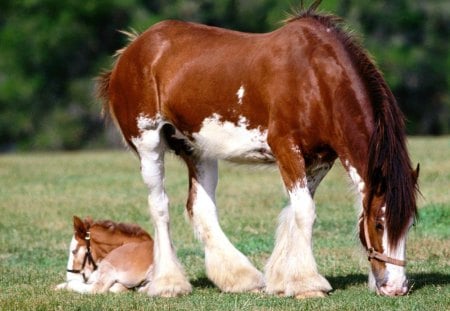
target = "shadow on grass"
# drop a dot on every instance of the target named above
(202, 282)
(344, 281)
(417, 280)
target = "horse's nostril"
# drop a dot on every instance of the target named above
(387, 290)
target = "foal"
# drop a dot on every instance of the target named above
(107, 256)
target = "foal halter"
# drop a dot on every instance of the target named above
(373, 254)
(87, 258)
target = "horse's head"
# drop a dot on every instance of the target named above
(382, 230)
(82, 258)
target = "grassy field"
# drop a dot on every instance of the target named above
(39, 193)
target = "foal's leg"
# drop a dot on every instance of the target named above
(291, 270)
(228, 268)
(168, 277)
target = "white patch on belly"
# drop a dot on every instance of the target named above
(233, 142)
(240, 94)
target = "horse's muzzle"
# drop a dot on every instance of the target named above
(389, 290)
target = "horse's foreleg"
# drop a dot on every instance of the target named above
(168, 277)
(228, 268)
(291, 270)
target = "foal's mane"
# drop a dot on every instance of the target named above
(130, 230)
(389, 171)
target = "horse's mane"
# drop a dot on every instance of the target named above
(130, 230)
(389, 171)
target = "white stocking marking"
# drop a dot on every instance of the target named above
(168, 278)
(229, 269)
(292, 269)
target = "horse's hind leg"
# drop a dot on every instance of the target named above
(168, 277)
(228, 268)
(291, 269)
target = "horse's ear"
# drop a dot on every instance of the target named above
(79, 227)
(415, 173)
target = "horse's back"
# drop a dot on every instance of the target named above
(193, 76)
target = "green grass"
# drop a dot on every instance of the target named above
(39, 193)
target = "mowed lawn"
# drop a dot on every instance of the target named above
(39, 194)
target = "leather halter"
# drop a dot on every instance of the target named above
(373, 254)
(87, 258)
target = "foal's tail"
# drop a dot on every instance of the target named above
(102, 92)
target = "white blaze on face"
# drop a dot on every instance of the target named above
(235, 142)
(72, 276)
(395, 275)
(240, 94)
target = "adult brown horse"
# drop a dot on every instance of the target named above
(300, 96)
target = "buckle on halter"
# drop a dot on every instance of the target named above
(88, 236)
(371, 253)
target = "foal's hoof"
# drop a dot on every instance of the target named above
(60, 286)
(311, 294)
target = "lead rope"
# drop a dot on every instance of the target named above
(373, 254)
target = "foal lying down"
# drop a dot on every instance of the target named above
(107, 256)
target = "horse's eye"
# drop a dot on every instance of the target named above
(74, 252)
(379, 226)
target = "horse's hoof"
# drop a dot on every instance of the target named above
(311, 294)
(168, 289)
(257, 290)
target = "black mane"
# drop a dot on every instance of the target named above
(389, 171)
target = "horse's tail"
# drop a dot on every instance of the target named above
(103, 94)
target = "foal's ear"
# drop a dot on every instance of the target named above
(79, 227)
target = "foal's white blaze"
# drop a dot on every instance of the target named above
(219, 139)
(240, 94)
(69, 275)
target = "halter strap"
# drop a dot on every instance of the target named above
(373, 254)
(87, 257)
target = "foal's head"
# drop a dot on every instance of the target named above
(82, 258)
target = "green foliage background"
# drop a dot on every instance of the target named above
(50, 51)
